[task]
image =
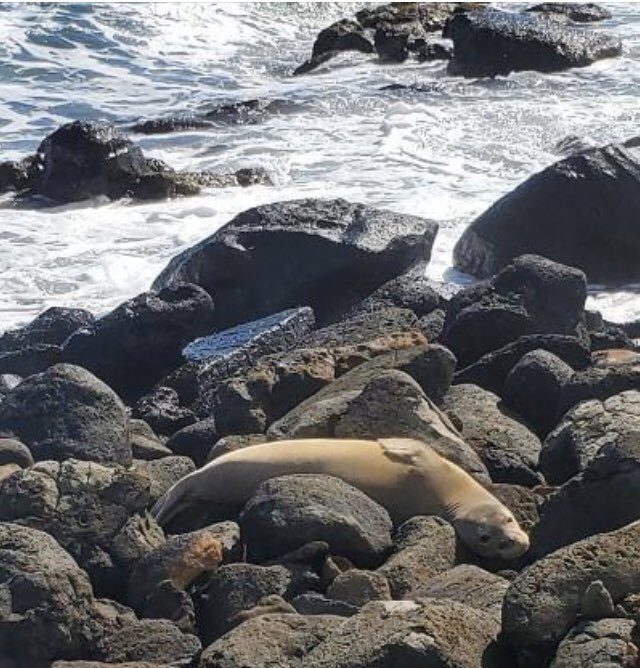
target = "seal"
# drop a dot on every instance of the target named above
(405, 476)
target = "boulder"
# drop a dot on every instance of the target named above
(580, 211)
(15, 452)
(407, 633)
(144, 442)
(266, 641)
(86, 507)
(544, 601)
(140, 341)
(162, 411)
(533, 389)
(357, 587)
(584, 430)
(195, 440)
(327, 254)
(602, 498)
(317, 604)
(232, 443)
(503, 442)
(344, 35)
(289, 511)
(423, 547)
(492, 42)
(605, 642)
(66, 412)
(163, 473)
(578, 12)
(46, 600)
(100, 664)
(492, 369)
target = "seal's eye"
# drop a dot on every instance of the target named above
(509, 520)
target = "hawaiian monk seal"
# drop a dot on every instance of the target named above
(403, 475)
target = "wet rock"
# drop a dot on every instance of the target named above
(317, 604)
(601, 498)
(85, 506)
(272, 640)
(505, 444)
(607, 642)
(574, 11)
(45, 598)
(163, 473)
(67, 412)
(232, 443)
(16, 175)
(132, 347)
(327, 254)
(344, 35)
(434, 51)
(533, 389)
(391, 43)
(162, 411)
(358, 588)
(610, 375)
(14, 452)
(492, 369)
(234, 588)
(470, 585)
(431, 16)
(144, 443)
(423, 547)
(592, 197)
(404, 633)
(543, 602)
(289, 511)
(481, 40)
(584, 430)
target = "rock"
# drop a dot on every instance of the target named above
(505, 444)
(163, 473)
(139, 342)
(481, 40)
(152, 640)
(234, 588)
(65, 412)
(533, 389)
(607, 377)
(14, 452)
(470, 585)
(432, 325)
(423, 547)
(272, 640)
(16, 175)
(586, 504)
(408, 633)
(45, 599)
(592, 197)
(144, 443)
(162, 411)
(607, 642)
(317, 604)
(543, 602)
(232, 443)
(432, 16)
(344, 35)
(100, 664)
(596, 602)
(531, 295)
(85, 506)
(195, 440)
(158, 581)
(523, 502)
(492, 369)
(391, 42)
(584, 430)
(434, 51)
(289, 511)
(263, 256)
(358, 588)
(574, 11)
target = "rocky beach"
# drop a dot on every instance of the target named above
(321, 317)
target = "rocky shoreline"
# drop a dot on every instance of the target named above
(313, 318)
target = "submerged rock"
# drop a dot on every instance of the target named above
(493, 42)
(574, 11)
(581, 211)
(327, 254)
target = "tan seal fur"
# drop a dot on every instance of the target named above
(403, 475)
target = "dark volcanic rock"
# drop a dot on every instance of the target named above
(289, 511)
(533, 389)
(344, 35)
(14, 452)
(584, 430)
(327, 254)
(358, 587)
(53, 326)
(67, 412)
(493, 42)
(581, 211)
(506, 446)
(46, 600)
(132, 347)
(16, 175)
(574, 11)
(195, 440)
(391, 42)
(144, 442)
(161, 409)
(163, 473)
(602, 498)
(492, 369)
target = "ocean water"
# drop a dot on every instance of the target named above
(445, 153)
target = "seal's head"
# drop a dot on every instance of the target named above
(491, 530)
